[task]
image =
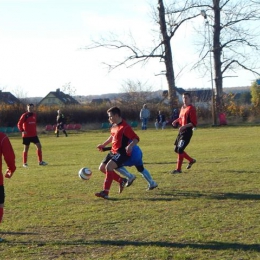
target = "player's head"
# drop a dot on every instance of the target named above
(30, 107)
(144, 106)
(58, 111)
(186, 98)
(114, 114)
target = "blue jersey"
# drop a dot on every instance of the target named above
(136, 158)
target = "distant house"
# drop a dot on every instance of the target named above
(99, 101)
(8, 98)
(201, 98)
(58, 98)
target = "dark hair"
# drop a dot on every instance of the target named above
(114, 111)
(30, 105)
(187, 94)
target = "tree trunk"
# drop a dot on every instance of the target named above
(167, 56)
(217, 58)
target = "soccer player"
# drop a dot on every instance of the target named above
(136, 160)
(27, 125)
(123, 139)
(187, 121)
(6, 151)
(60, 124)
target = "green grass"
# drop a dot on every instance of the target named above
(208, 212)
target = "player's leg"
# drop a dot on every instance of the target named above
(25, 154)
(39, 152)
(146, 174)
(2, 200)
(130, 177)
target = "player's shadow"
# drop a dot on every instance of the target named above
(176, 194)
(18, 233)
(213, 245)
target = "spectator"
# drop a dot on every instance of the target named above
(144, 116)
(160, 121)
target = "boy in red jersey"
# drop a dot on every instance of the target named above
(123, 139)
(187, 121)
(6, 151)
(27, 125)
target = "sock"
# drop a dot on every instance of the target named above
(39, 154)
(116, 177)
(1, 214)
(124, 172)
(108, 181)
(187, 157)
(25, 157)
(179, 161)
(146, 174)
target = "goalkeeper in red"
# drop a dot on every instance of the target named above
(6, 152)
(123, 139)
(187, 121)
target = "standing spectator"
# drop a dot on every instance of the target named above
(175, 115)
(160, 121)
(6, 151)
(61, 120)
(27, 125)
(123, 139)
(144, 116)
(187, 121)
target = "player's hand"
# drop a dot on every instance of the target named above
(100, 147)
(8, 174)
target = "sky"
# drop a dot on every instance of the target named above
(42, 48)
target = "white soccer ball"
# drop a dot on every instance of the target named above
(85, 173)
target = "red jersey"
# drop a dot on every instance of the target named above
(188, 115)
(6, 151)
(27, 124)
(122, 134)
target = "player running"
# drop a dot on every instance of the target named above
(123, 139)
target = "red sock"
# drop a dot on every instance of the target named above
(108, 180)
(179, 161)
(1, 214)
(25, 157)
(117, 177)
(187, 157)
(39, 154)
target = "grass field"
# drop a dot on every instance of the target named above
(211, 211)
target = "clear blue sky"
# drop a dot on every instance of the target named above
(40, 43)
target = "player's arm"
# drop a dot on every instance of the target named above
(9, 157)
(20, 123)
(100, 147)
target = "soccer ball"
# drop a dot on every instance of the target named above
(85, 173)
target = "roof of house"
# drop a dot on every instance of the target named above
(64, 98)
(8, 98)
(202, 95)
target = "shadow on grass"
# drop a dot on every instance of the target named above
(214, 245)
(214, 195)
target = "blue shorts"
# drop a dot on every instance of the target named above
(136, 158)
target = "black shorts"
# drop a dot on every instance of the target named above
(28, 140)
(118, 158)
(2, 194)
(182, 140)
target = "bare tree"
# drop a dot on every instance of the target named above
(67, 88)
(235, 39)
(136, 93)
(169, 22)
